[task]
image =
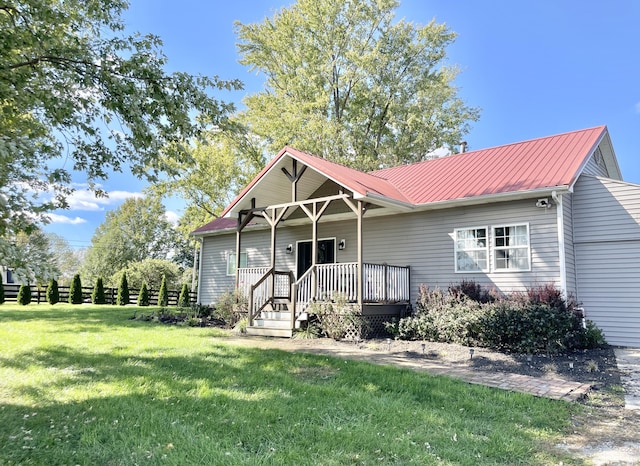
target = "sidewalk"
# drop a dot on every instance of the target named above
(546, 387)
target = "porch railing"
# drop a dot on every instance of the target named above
(381, 283)
(262, 285)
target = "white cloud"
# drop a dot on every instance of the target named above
(638, 107)
(56, 218)
(84, 199)
(172, 217)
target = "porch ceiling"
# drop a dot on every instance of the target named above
(275, 188)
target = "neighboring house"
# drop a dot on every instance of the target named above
(549, 210)
(7, 275)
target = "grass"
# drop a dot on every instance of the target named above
(87, 385)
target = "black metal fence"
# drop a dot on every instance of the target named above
(39, 295)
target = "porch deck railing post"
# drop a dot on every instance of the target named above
(385, 283)
(293, 299)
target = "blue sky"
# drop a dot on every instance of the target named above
(534, 68)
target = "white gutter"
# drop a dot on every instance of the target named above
(561, 245)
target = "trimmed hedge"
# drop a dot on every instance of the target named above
(538, 320)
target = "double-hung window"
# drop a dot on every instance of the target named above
(231, 262)
(472, 249)
(511, 248)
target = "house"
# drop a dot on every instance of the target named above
(548, 210)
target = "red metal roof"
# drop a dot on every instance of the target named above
(548, 162)
(553, 161)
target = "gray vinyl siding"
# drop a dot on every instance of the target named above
(607, 242)
(595, 168)
(421, 240)
(606, 210)
(425, 242)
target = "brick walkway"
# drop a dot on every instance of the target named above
(546, 387)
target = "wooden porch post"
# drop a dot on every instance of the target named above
(360, 256)
(238, 231)
(314, 253)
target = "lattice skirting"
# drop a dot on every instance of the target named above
(373, 327)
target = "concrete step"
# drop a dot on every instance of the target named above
(270, 332)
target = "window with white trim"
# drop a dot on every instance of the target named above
(231, 262)
(511, 248)
(471, 249)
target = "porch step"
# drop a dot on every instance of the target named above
(271, 323)
(270, 332)
(276, 315)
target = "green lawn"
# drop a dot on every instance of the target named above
(86, 385)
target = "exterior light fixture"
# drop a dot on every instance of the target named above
(342, 244)
(289, 249)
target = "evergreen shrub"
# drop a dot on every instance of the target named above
(123, 291)
(53, 294)
(143, 296)
(24, 295)
(184, 299)
(75, 292)
(97, 296)
(163, 294)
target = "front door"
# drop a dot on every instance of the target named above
(326, 254)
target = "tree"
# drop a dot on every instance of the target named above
(135, 231)
(184, 300)
(123, 291)
(78, 94)
(29, 255)
(53, 294)
(163, 294)
(222, 165)
(66, 259)
(346, 82)
(143, 296)
(97, 296)
(75, 291)
(151, 272)
(24, 295)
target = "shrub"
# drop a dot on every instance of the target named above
(75, 292)
(338, 319)
(53, 294)
(143, 296)
(24, 295)
(232, 307)
(97, 296)
(163, 294)
(538, 320)
(123, 291)
(184, 300)
(1, 293)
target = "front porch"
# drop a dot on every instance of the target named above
(278, 302)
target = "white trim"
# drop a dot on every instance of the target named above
(486, 248)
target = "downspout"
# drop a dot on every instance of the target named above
(561, 246)
(197, 257)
